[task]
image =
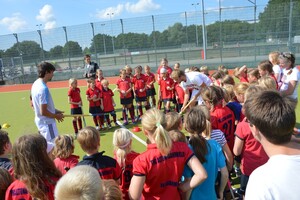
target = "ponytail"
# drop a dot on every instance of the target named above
(199, 146)
(122, 142)
(162, 139)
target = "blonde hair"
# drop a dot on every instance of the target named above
(274, 55)
(104, 82)
(252, 89)
(240, 88)
(227, 79)
(127, 67)
(122, 141)
(223, 69)
(153, 122)
(111, 190)
(64, 146)
(173, 120)
(177, 136)
(88, 138)
(204, 70)
(229, 90)
(80, 183)
(268, 83)
(71, 81)
(236, 72)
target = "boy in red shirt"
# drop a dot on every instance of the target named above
(76, 103)
(125, 89)
(108, 103)
(93, 95)
(166, 89)
(179, 94)
(139, 82)
(150, 86)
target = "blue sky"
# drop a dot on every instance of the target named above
(24, 15)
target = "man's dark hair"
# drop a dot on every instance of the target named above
(4, 139)
(44, 68)
(87, 56)
(273, 115)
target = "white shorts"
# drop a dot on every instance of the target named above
(48, 131)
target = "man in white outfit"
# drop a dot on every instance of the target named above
(192, 83)
(271, 119)
(45, 112)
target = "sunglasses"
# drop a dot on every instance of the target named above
(286, 55)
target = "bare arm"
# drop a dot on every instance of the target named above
(136, 187)
(238, 146)
(186, 97)
(71, 102)
(223, 181)
(58, 115)
(290, 90)
(228, 156)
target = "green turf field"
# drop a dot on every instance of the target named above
(15, 110)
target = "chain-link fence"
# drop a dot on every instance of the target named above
(230, 36)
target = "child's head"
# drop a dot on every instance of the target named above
(287, 60)
(138, 70)
(227, 80)
(217, 77)
(80, 182)
(111, 190)
(153, 123)
(212, 96)
(239, 91)
(204, 70)
(268, 83)
(64, 146)
(177, 66)
(122, 141)
(173, 121)
(265, 68)
(240, 71)
(123, 73)
(177, 136)
(105, 83)
(229, 89)
(147, 69)
(207, 132)
(99, 73)
(91, 83)
(89, 139)
(223, 69)
(252, 89)
(271, 115)
(274, 57)
(253, 75)
(164, 62)
(195, 124)
(128, 70)
(5, 181)
(73, 82)
(32, 163)
(5, 144)
(163, 72)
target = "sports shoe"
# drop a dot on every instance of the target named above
(134, 121)
(125, 123)
(109, 126)
(97, 127)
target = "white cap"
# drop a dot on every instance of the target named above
(163, 70)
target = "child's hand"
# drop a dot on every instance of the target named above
(114, 105)
(101, 107)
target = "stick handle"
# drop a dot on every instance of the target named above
(187, 105)
(78, 115)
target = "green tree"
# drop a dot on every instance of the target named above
(74, 48)
(56, 52)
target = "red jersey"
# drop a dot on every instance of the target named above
(150, 80)
(107, 100)
(127, 173)
(139, 83)
(74, 94)
(253, 154)
(244, 79)
(18, 191)
(64, 164)
(98, 83)
(223, 118)
(164, 83)
(124, 85)
(162, 173)
(179, 93)
(169, 71)
(91, 93)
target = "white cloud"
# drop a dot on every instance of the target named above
(46, 16)
(103, 14)
(14, 23)
(142, 6)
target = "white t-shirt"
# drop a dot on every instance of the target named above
(286, 78)
(41, 95)
(277, 179)
(277, 70)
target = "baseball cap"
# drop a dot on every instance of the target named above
(163, 70)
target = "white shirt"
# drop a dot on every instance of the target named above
(286, 78)
(277, 70)
(194, 80)
(41, 95)
(277, 179)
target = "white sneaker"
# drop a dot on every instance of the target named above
(97, 127)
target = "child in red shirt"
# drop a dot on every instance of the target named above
(166, 89)
(76, 104)
(139, 82)
(63, 152)
(99, 75)
(124, 155)
(150, 86)
(93, 95)
(125, 89)
(241, 73)
(108, 103)
(179, 94)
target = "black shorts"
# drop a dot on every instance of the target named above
(179, 106)
(151, 92)
(126, 101)
(166, 100)
(95, 110)
(140, 99)
(76, 111)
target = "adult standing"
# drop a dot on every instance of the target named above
(90, 67)
(291, 76)
(45, 112)
(192, 83)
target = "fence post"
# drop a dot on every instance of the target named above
(123, 41)
(154, 39)
(94, 42)
(68, 46)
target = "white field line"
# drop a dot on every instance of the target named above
(133, 135)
